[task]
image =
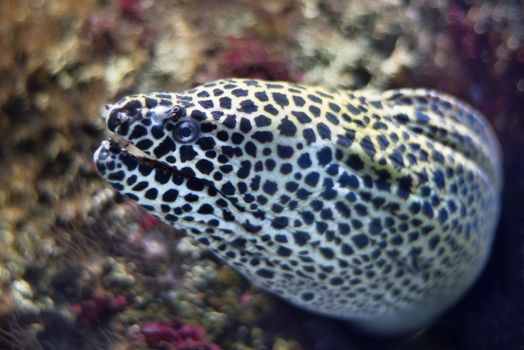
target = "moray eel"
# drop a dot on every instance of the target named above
(374, 207)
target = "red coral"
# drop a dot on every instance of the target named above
(176, 335)
(147, 222)
(132, 9)
(99, 309)
(250, 57)
(98, 30)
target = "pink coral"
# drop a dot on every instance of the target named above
(176, 335)
(132, 9)
(99, 309)
(251, 57)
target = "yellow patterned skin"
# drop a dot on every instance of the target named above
(374, 207)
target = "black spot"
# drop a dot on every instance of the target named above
(208, 127)
(195, 184)
(299, 101)
(346, 249)
(247, 106)
(164, 148)
(230, 121)
(343, 209)
(140, 186)
(368, 146)
(251, 228)
(397, 159)
(401, 118)
(262, 121)
(207, 104)
(225, 102)
(414, 207)
(354, 162)
(433, 242)
(263, 136)
(352, 109)
(239, 92)
(265, 273)
(190, 197)
(323, 131)
(138, 132)
(382, 142)
(336, 281)
(280, 222)
(422, 117)
(170, 195)
(284, 152)
(301, 237)
(348, 180)
(309, 136)
(152, 193)
(204, 166)
(332, 118)
(283, 251)
(245, 168)
(144, 170)
(303, 194)
(162, 177)
(261, 96)
(302, 117)
(404, 186)
(360, 240)
(222, 135)
(307, 296)
(206, 143)
(227, 215)
(438, 178)
(255, 183)
(251, 149)
(312, 179)
(237, 138)
(269, 187)
(187, 153)
(166, 103)
(151, 102)
(375, 227)
(315, 111)
(144, 144)
(427, 209)
(198, 115)
(327, 253)
(286, 168)
(314, 98)
(270, 164)
(291, 186)
(280, 99)
(324, 156)
(270, 109)
(343, 228)
(245, 125)
(287, 128)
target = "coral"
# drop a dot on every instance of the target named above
(176, 335)
(99, 309)
(132, 9)
(251, 57)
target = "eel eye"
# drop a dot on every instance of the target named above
(186, 131)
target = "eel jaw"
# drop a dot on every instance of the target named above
(119, 145)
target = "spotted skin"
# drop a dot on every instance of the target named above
(378, 208)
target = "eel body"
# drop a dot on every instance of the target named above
(374, 207)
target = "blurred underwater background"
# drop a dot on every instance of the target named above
(81, 267)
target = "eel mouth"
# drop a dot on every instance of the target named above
(141, 157)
